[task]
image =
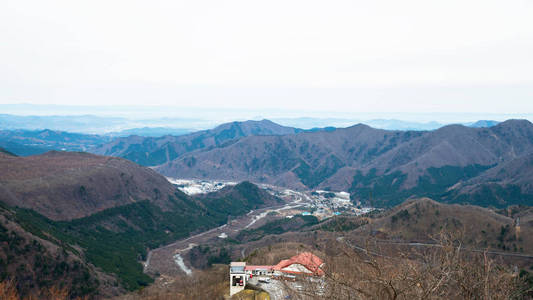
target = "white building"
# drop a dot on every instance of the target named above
(237, 277)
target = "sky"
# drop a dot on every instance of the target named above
(308, 57)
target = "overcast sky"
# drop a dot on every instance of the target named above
(333, 56)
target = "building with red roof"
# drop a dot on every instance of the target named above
(305, 263)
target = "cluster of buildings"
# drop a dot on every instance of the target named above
(194, 187)
(326, 204)
(305, 263)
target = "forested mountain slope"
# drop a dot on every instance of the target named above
(151, 151)
(391, 165)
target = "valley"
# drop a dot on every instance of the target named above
(125, 227)
(266, 150)
(388, 238)
(390, 165)
(484, 165)
(306, 203)
(378, 233)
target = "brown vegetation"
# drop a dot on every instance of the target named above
(212, 284)
(446, 268)
(30, 265)
(8, 291)
(444, 272)
(251, 295)
(68, 185)
(420, 219)
(332, 158)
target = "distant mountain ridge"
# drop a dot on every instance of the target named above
(93, 122)
(71, 123)
(482, 123)
(32, 142)
(359, 159)
(20, 136)
(364, 160)
(150, 132)
(387, 124)
(151, 151)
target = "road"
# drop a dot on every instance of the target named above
(418, 244)
(464, 249)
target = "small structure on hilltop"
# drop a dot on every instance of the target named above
(237, 277)
(305, 263)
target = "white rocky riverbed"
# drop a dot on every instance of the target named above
(179, 261)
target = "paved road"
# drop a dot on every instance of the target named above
(417, 244)
(464, 249)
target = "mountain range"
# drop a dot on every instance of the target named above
(98, 121)
(454, 163)
(154, 150)
(87, 220)
(151, 151)
(382, 166)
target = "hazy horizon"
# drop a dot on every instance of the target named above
(136, 112)
(107, 119)
(388, 57)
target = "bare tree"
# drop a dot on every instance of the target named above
(444, 271)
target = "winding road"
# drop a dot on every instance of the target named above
(163, 260)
